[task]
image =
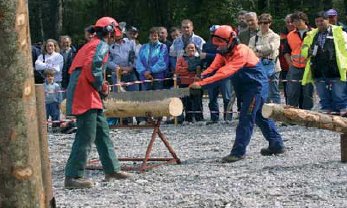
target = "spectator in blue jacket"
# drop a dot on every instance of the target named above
(152, 61)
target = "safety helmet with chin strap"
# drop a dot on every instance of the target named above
(108, 25)
(224, 37)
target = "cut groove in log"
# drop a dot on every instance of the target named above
(305, 117)
(167, 107)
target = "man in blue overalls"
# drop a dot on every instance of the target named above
(238, 62)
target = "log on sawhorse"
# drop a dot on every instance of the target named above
(155, 124)
(309, 119)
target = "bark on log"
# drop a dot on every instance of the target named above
(305, 117)
(123, 109)
(20, 166)
(167, 107)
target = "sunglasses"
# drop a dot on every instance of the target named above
(265, 23)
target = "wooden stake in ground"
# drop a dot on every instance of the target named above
(20, 166)
(44, 154)
(344, 148)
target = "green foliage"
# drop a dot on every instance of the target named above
(144, 14)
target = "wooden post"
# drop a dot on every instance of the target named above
(175, 86)
(119, 89)
(343, 148)
(20, 169)
(43, 139)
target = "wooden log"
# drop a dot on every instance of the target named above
(305, 117)
(167, 107)
(344, 148)
(116, 108)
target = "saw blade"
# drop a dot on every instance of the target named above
(151, 95)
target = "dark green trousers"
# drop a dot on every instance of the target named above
(92, 128)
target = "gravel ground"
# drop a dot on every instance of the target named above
(309, 174)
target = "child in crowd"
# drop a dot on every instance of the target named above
(53, 99)
(188, 69)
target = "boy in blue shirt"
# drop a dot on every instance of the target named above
(53, 98)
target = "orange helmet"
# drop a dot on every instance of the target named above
(222, 35)
(108, 24)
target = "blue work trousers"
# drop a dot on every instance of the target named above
(250, 114)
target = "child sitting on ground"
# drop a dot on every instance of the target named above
(53, 99)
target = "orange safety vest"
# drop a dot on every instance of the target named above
(295, 43)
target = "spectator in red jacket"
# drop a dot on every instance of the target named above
(188, 69)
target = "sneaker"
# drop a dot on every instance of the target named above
(269, 152)
(232, 158)
(117, 176)
(78, 183)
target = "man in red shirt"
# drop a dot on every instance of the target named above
(86, 89)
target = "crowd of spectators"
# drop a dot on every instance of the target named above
(300, 58)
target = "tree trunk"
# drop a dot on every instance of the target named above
(327, 4)
(261, 5)
(20, 169)
(305, 117)
(277, 7)
(55, 22)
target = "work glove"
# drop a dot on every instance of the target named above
(194, 85)
(105, 90)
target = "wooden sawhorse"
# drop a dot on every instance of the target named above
(155, 124)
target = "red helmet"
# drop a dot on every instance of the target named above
(222, 35)
(108, 24)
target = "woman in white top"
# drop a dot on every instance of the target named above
(266, 45)
(50, 59)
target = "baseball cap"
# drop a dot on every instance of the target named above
(331, 12)
(133, 29)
